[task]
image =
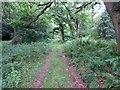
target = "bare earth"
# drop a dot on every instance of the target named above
(75, 79)
(43, 72)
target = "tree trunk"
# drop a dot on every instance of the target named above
(71, 27)
(0, 37)
(16, 39)
(62, 31)
(115, 16)
(77, 28)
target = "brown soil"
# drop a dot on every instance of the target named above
(75, 78)
(100, 83)
(43, 72)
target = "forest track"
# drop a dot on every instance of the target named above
(43, 71)
(75, 78)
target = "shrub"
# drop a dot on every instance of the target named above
(95, 55)
(18, 58)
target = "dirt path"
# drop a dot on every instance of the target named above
(75, 78)
(43, 71)
(57, 59)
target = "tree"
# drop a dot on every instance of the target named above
(105, 28)
(19, 15)
(113, 9)
(28, 23)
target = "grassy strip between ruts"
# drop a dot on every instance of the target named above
(57, 76)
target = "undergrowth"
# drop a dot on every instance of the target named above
(95, 59)
(21, 62)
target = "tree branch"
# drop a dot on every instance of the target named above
(27, 24)
(47, 6)
(83, 6)
(68, 10)
(43, 4)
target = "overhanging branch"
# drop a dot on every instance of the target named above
(27, 24)
(69, 12)
(83, 6)
(43, 4)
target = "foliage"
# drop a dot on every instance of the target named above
(17, 60)
(60, 14)
(38, 33)
(18, 13)
(105, 28)
(95, 55)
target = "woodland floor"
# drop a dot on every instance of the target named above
(58, 72)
